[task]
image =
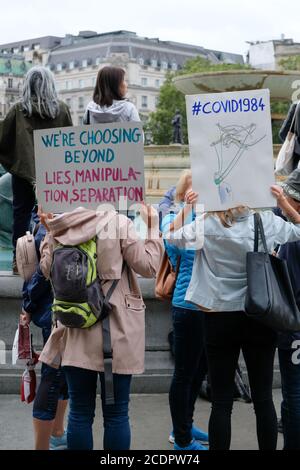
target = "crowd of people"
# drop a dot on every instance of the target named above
(210, 329)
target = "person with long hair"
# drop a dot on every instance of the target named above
(218, 286)
(109, 102)
(38, 108)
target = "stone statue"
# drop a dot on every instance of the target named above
(177, 128)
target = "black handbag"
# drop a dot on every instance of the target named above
(270, 298)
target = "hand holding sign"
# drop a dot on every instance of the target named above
(44, 217)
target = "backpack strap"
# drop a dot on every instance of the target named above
(107, 347)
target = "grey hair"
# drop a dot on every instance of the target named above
(39, 92)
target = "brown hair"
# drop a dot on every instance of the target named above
(227, 218)
(107, 88)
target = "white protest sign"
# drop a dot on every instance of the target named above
(231, 150)
(89, 165)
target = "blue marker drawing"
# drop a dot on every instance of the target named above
(237, 140)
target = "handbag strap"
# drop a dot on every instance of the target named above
(259, 232)
(294, 117)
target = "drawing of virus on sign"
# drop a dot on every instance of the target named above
(232, 143)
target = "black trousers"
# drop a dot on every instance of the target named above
(190, 370)
(227, 334)
(23, 203)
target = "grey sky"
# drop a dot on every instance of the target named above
(214, 24)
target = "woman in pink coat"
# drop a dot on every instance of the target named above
(79, 351)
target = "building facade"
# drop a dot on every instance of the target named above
(75, 61)
(268, 54)
(12, 70)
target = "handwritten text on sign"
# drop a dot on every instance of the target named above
(89, 165)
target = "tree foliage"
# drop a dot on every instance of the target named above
(170, 99)
(290, 63)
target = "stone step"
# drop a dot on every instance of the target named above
(158, 361)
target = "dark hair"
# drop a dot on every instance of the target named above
(107, 88)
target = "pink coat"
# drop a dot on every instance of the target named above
(83, 347)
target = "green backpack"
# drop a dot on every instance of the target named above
(79, 301)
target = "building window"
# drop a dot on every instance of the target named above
(10, 83)
(68, 84)
(157, 83)
(154, 63)
(156, 100)
(141, 60)
(81, 102)
(16, 50)
(71, 65)
(174, 66)
(26, 48)
(98, 60)
(59, 67)
(84, 63)
(81, 83)
(69, 103)
(144, 81)
(36, 47)
(164, 65)
(144, 101)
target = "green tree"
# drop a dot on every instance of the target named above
(170, 99)
(290, 62)
(160, 122)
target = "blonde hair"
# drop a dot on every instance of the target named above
(227, 218)
(181, 186)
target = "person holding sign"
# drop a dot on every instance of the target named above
(109, 103)
(218, 286)
(119, 255)
(39, 108)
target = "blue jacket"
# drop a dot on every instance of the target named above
(37, 293)
(186, 265)
(291, 253)
(166, 203)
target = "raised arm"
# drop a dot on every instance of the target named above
(143, 256)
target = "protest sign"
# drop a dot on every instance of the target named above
(231, 151)
(89, 165)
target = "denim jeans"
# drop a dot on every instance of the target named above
(290, 407)
(23, 203)
(82, 385)
(190, 370)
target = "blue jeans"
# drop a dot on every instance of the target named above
(82, 385)
(290, 407)
(190, 370)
